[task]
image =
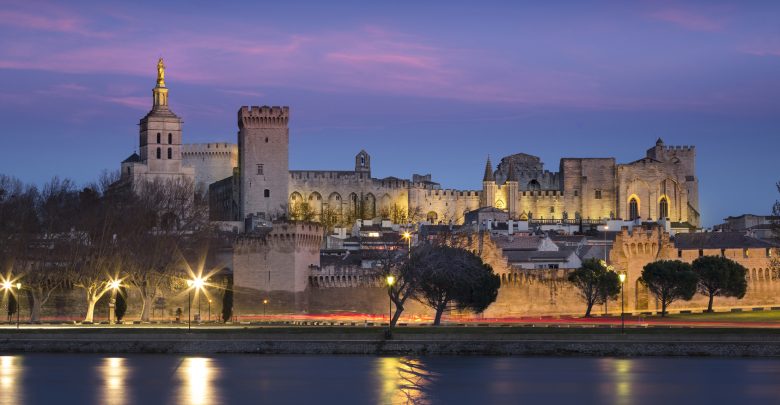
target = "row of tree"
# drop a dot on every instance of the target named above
(64, 237)
(667, 280)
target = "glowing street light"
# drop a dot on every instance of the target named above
(114, 285)
(8, 286)
(265, 305)
(197, 283)
(622, 277)
(390, 282)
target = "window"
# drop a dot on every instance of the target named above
(159, 153)
(701, 252)
(663, 209)
(746, 253)
(267, 193)
(576, 193)
(266, 139)
(259, 169)
(598, 194)
(170, 138)
(768, 252)
(633, 209)
(158, 137)
(552, 210)
(679, 253)
(170, 153)
(362, 160)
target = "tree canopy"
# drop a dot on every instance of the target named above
(720, 276)
(595, 283)
(670, 281)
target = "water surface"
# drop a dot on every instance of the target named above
(248, 379)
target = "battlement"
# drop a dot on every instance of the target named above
(263, 117)
(541, 193)
(222, 148)
(282, 235)
(679, 148)
(452, 193)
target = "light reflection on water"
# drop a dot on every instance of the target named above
(403, 380)
(10, 380)
(197, 376)
(113, 371)
(247, 379)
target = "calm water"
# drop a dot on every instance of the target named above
(167, 379)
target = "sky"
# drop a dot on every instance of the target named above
(424, 87)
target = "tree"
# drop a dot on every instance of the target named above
(393, 261)
(302, 211)
(120, 306)
(168, 219)
(13, 306)
(450, 277)
(227, 300)
(595, 283)
(669, 281)
(719, 276)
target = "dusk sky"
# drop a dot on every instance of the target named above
(424, 87)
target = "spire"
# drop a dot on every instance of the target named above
(488, 171)
(659, 142)
(160, 92)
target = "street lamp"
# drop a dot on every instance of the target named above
(265, 305)
(622, 277)
(114, 286)
(408, 236)
(9, 286)
(209, 309)
(390, 282)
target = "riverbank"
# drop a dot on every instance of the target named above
(404, 341)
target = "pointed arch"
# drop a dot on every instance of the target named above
(633, 207)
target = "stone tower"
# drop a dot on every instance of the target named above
(488, 186)
(160, 140)
(263, 143)
(363, 163)
(512, 188)
(160, 131)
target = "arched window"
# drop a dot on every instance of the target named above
(633, 209)
(267, 193)
(534, 185)
(159, 153)
(170, 153)
(663, 209)
(158, 137)
(170, 138)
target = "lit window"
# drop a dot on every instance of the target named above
(373, 234)
(663, 209)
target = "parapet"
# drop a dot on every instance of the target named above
(263, 117)
(191, 149)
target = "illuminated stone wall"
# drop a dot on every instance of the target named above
(212, 162)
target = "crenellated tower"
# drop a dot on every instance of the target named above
(263, 144)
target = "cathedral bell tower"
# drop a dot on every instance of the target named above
(160, 131)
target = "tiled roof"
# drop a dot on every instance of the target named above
(521, 256)
(718, 240)
(515, 242)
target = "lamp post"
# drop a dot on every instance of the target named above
(606, 228)
(622, 277)
(9, 286)
(114, 286)
(189, 304)
(390, 282)
(265, 305)
(209, 309)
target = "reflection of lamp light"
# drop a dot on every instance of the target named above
(198, 377)
(10, 371)
(622, 277)
(114, 373)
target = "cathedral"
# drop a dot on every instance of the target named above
(253, 180)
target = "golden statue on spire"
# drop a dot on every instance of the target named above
(160, 72)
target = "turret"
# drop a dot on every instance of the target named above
(488, 186)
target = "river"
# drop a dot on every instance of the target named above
(250, 379)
